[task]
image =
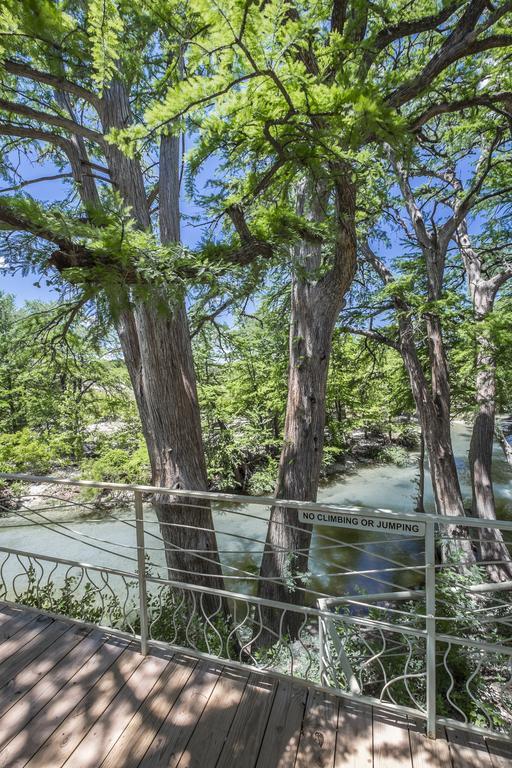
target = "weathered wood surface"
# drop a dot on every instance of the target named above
(77, 697)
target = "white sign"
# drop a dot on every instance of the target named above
(377, 524)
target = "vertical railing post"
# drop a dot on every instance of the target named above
(430, 622)
(321, 647)
(141, 566)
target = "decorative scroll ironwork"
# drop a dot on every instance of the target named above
(77, 591)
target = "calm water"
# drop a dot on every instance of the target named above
(384, 486)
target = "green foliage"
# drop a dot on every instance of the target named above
(56, 389)
(395, 454)
(460, 614)
(119, 465)
(68, 600)
(105, 27)
(23, 451)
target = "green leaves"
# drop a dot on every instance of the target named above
(105, 28)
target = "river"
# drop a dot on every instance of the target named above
(377, 486)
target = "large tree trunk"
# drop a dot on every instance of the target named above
(315, 306)
(167, 399)
(493, 551)
(157, 349)
(433, 409)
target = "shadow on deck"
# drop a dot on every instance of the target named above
(78, 697)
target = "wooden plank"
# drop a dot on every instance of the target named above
(48, 687)
(467, 750)
(281, 738)
(318, 738)
(12, 620)
(64, 725)
(391, 744)
(21, 633)
(500, 753)
(137, 737)
(177, 728)
(7, 612)
(30, 676)
(245, 736)
(205, 745)
(31, 650)
(111, 723)
(43, 709)
(354, 736)
(428, 753)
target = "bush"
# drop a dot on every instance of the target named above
(118, 465)
(395, 454)
(24, 451)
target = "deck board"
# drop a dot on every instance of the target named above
(245, 736)
(318, 737)
(428, 753)
(354, 738)
(468, 750)
(500, 753)
(67, 720)
(76, 697)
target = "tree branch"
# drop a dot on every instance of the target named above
(444, 107)
(24, 132)
(45, 117)
(405, 29)
(251, 246)
(36, 181)
(460, 43)
(462, 207)
(374, 335)
(75, 252)
(378, 265)
(60, 83)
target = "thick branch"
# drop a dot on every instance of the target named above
(45, 117)
(60, 83)
(373, 335)
(413, 210)
(462, 207)
(460, 43)
(63, 143)
(444, 107)
(406, 29)
(36, 134)
(251, 246)
(75, 252)
(378, 265)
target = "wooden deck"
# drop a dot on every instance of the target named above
(78, 697)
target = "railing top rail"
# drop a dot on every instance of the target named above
(265, 501)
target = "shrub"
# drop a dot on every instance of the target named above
(394, 454)
(24, 451)
(118, 465)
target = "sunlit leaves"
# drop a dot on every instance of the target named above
(105, 28)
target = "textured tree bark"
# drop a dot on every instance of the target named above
(506, 447)
(420, 498)
(493, 550)
(434, 416)
(315, 306)
(158, 353)
(157, 349)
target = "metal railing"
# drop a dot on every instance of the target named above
(379, 615)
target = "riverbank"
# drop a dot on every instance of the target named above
(366, 477)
